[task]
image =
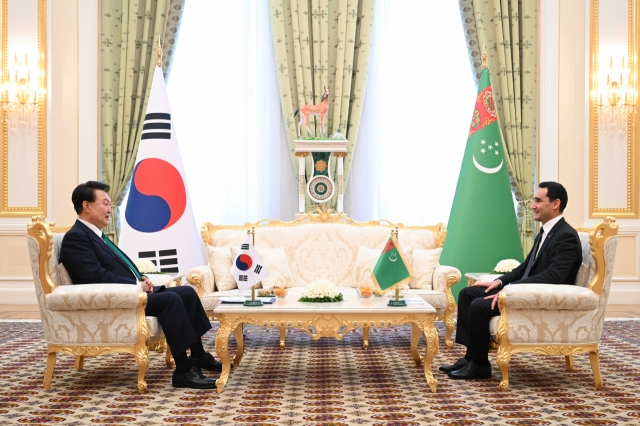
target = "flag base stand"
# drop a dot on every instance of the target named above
(395, 303)
(253, 301)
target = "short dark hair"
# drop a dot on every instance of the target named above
(556, 191)
(86, 192)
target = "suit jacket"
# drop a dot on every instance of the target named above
(89, 260)
(558, 262)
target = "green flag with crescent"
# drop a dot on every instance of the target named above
(482, 228)
(391, 268)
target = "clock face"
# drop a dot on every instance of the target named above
(320, 188)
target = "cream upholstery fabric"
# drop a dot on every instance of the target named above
(551, 297)
(220, 260)
(87, 297)
(423, 263)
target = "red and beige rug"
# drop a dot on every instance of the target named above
(323, 382)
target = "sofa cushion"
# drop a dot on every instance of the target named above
(220, 262)
(423, 263)
(365, 262)
(277, 263)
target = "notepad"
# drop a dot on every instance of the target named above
(241, 299)
(414, 300)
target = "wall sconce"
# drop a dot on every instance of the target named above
(20, 95)
(617, 99)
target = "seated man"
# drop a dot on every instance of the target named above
(554, 259)
(90, 257)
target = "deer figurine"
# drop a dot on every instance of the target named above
(317, 110)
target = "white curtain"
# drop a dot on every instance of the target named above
(418, 105)
(226, 109)
(417, 111)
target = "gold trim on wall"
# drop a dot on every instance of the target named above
(632, 163)
(40, 209)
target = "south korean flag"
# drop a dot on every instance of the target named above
(248, 269)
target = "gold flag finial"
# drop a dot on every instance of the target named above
(484, 58)
(159, 54)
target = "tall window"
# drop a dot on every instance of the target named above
(226, 108)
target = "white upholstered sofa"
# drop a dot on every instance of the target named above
(90, 319)
(324, 246)
(551, 319)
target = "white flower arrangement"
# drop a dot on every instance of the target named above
(321, 291)
(506, 265)
(146, 266)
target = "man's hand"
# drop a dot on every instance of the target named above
(490, 286)
(147, 285)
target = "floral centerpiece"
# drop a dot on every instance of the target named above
(506, 265)
(147, 267)
(321, 291)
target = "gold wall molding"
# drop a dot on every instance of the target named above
(596, 142)
(40, 208)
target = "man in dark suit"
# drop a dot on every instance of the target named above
(91, 258)
(554, 259)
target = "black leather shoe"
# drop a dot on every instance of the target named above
(472, 371)
(208, 362)
(193, 379)
(453, 367)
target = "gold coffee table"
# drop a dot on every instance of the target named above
(326, 320)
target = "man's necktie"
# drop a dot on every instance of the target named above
(534, 253)
(121, 255)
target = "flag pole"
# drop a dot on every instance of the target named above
(253, 301)
(394, 236)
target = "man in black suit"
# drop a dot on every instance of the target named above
(554, 259)
(90, 257)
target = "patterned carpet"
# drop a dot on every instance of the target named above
(324, 382)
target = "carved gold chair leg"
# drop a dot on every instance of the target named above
(48, 374)
(450, 324)
(168, 358)
(595, 366)
(283, 336)
(365, 337)
(568, 360)
(79, 362)
(142, 359)
(503, 359)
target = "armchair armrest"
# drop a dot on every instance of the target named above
(444, 277)
(202, 279)
(86, 297)
(549, 297)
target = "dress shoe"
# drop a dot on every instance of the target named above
(453, 367)
(207, 362)
(193, 379)
(472, 371)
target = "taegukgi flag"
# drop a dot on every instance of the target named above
(248, 269)
(158, 222)
(391, 268)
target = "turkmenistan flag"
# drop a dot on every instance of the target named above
(391, 268)
(482, 228)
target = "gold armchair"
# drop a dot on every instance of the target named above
(550, 319)
(91, 319)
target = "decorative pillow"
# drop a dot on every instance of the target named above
(423, 263)
(277, 263)
(365, 262)
(220, 262)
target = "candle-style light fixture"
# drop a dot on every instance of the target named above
(21, 94)
(617, 99)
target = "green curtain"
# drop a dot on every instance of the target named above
(130, 31)
(320, 43)
(507, 29)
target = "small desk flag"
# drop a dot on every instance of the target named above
(391, 268)
(248, 269)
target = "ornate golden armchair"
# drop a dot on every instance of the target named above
(90, 319)
(553, 319)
